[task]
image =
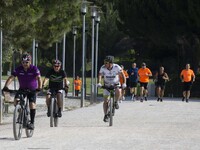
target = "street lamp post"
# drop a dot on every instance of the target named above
(74, 31)
(1, 100)
(36, 53)
(56, 50)
(33, 53)
(93, 14)
(83, 12)
(97, 19)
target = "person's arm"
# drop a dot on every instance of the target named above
(100, 78)
(193, 77)
(181, 76)
(45, 82)
(65, 82)
(9, 80)
(166, 77)
(39, 80)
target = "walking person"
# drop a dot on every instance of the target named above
(160, 79)
(121, 82)
(187, 77)
(29, 78)
(56, 76)
(133, 80)
(110, 71)
(77, 85)
(144, 74)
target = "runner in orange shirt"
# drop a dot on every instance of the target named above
(144, 73)
(187, 77)
(121, 82)
(77, 85)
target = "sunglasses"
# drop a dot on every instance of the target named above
(25, 62)
(56, 66)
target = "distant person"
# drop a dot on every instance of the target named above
(187, 77)
(77, 85)
(144, 74)
(67, 88)
(121, 82)
(56, 77)
(29, 77)
(133, 80)
(160, 79)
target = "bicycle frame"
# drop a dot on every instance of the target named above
(111, 107)
(53, 109)
(21, 116)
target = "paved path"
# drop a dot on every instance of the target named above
(151, 125)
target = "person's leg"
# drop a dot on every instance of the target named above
(32, 106)
(59, 102)
(141, 93)
(117, 97)
(105, 105)
(158, 92)
(145, 91)
(48, 102)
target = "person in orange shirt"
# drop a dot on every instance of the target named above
(77, 85)
(144, 73)
(187, 77)
(121, 82)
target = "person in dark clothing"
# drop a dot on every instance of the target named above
(55, 76)
(133, 80)
(160, 79)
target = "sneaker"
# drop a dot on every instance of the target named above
(141, 100)
(48, 113)
(145, 98)
(186, 100)
(123, 98)
(59, 113)
(31, 126)
(161, 100)
(105, 119)
(183, 99)
(158, 99)
(132, 97)
(116, 105)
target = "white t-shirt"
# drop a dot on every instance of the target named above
(111, 76)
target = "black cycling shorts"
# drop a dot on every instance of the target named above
(31, 96)
(144, 84)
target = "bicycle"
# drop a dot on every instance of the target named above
(21, 114)
(111, 102)
(53, 109)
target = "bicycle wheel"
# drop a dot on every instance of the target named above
(51, 112)
(111, 112)
(17, 122)
(29, 132)
(55, 114)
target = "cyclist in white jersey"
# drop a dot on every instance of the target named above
(110, 72)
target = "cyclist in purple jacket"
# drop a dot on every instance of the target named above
(29, 78)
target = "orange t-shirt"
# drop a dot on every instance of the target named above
(121, 78)
(77, 84)
(187, 75)
(143, 74)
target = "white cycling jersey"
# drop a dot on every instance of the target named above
(111, 76)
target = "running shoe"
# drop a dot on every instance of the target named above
(105, 119)
(59, 113)
(116, 105)
(183, 99)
